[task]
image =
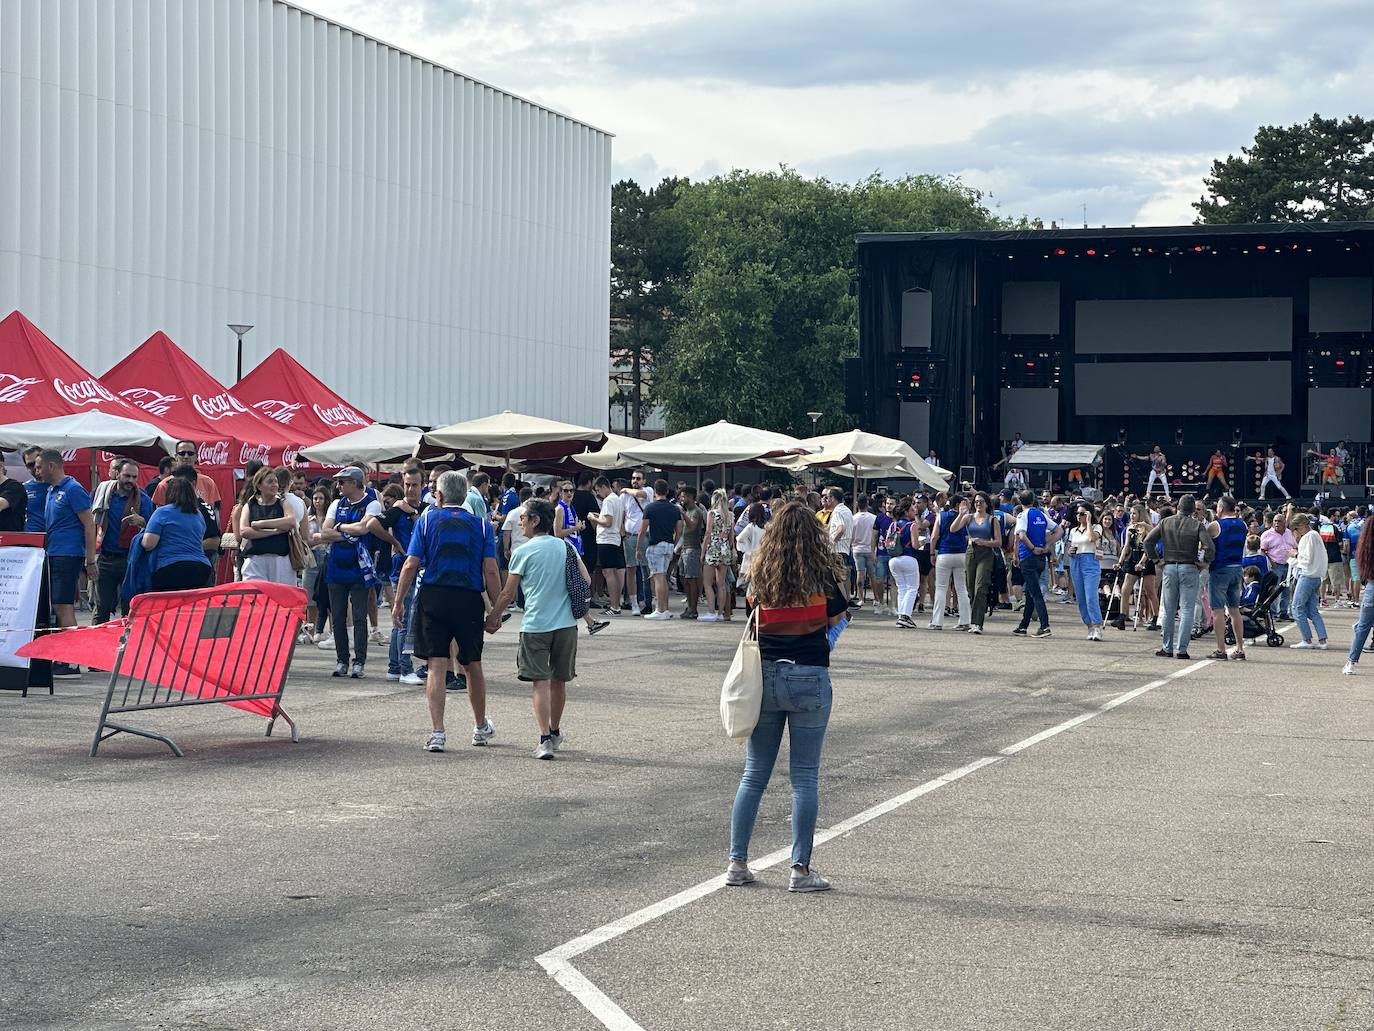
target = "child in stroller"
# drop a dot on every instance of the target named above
(1258, 616)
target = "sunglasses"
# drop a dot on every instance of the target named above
(186, 454)
(565, 490)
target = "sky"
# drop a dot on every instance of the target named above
(1045, 107)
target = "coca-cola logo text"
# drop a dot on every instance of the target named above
(217, 407)
(280, 411)
(13, 388)
(289, 455)
(213, 454)
(253, 452)
(339, 415)
(152, 401)
(83, 392)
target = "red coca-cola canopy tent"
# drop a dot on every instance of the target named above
(39, 380)
(168, 385)
(285, 391)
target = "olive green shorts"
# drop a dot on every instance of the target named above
(551, 655)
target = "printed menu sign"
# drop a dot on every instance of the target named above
(21, 577)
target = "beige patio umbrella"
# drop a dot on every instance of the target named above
(511, 436)
(721, 443)
(371, 444)
(608, 457)
(864, 456)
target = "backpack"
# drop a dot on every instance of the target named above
(579, 591)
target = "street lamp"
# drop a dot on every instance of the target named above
(815, 418)
(240, 331)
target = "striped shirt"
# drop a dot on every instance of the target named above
(798, 632)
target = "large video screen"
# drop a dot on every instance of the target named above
(1215, 325)
(1183, 388)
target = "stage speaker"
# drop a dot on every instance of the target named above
(1338, 413)
(916, 309)
(914, 425)
(1030, 309)
(968, 474)
(1340, 304)
(854, 386)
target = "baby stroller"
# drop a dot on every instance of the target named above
(1258, 619)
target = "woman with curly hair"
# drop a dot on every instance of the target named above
(795, 586)
(1364, 563)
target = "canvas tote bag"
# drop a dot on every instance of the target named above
(741, 695)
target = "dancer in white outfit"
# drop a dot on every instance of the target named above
(1273, 469)
(1159, 470)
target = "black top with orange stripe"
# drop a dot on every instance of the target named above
(798, 632)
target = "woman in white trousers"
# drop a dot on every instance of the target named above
(903, 567)
(949, 547)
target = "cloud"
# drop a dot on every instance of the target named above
(1046, 106)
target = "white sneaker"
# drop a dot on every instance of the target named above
(412, 679)
(481, 735)
(436, 741)
(393, 676)
(376, 636)
(1302, 645)
(1348, 669)
(325, 643)
(660, 614)
(711, 617)
(1320, 646)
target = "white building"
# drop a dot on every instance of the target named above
(433, 248)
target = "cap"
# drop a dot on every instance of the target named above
(352, 472)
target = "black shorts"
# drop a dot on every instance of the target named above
(610, 556)
(445, 614)
(589, 549)
(923, 562)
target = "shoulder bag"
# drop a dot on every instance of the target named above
(579, 591)
(741, 695)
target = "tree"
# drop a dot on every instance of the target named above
(1314, 171)
(765, 318)
(648, 260)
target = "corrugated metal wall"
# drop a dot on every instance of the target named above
(432, 248)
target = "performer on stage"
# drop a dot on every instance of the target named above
(1273, 469)
(1013, 480)
(1216, 470)
(1332, 473)
(1159, 469)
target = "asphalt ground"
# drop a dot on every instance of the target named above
(1198, 856)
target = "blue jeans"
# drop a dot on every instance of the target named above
(1086, 573)
(1032, 569)
(1363, 626)
(397, 660)
(799, 698)
(1178, 598)
(1305, 608)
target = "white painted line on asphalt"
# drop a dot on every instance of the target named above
(558, 962)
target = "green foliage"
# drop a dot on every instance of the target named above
(1315, 171)
(764, 319)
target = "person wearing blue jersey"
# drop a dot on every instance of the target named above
(1224, 584)
(1036, 535)
(70, 541)
(348, 569)
(396, 526)
(1354, 523)
(457, 552)
(949, 556)
(36, 493)
(125, 510)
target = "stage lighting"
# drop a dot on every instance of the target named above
(1090, 252)
(1121, 436)
(1060, 251)
(1235, 437)
(1260, 247)
(1178, 436)
(1198, 248)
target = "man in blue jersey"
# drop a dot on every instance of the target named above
(1224, 582)
(122, 512)
(457, 552)
(1036, 535)
(70, 542)
(35, 517)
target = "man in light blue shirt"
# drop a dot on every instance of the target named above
(548, 630)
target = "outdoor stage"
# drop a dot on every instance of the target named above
(1192, 338)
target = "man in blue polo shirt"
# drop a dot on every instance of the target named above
(1035, 538)
(36, 516)
(126, 510)
(457, 552)
(70, 544)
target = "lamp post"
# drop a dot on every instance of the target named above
(815, 418)
(240, 330)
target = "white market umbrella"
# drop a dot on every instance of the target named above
(371, 444)
(511, 435)
(721, 443)
(93, 429)
(866, 455)
(608, 457)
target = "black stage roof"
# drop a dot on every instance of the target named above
(1323, 230)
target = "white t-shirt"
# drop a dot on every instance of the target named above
(294, 505)
(512, 526)
(633, 508)
(841, 518)
(374, 508)
(745, 543)
(1081, 541)
(614, 506)
(863, 532)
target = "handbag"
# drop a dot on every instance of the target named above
(302, 558)
(579, 590)
(741, 695)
